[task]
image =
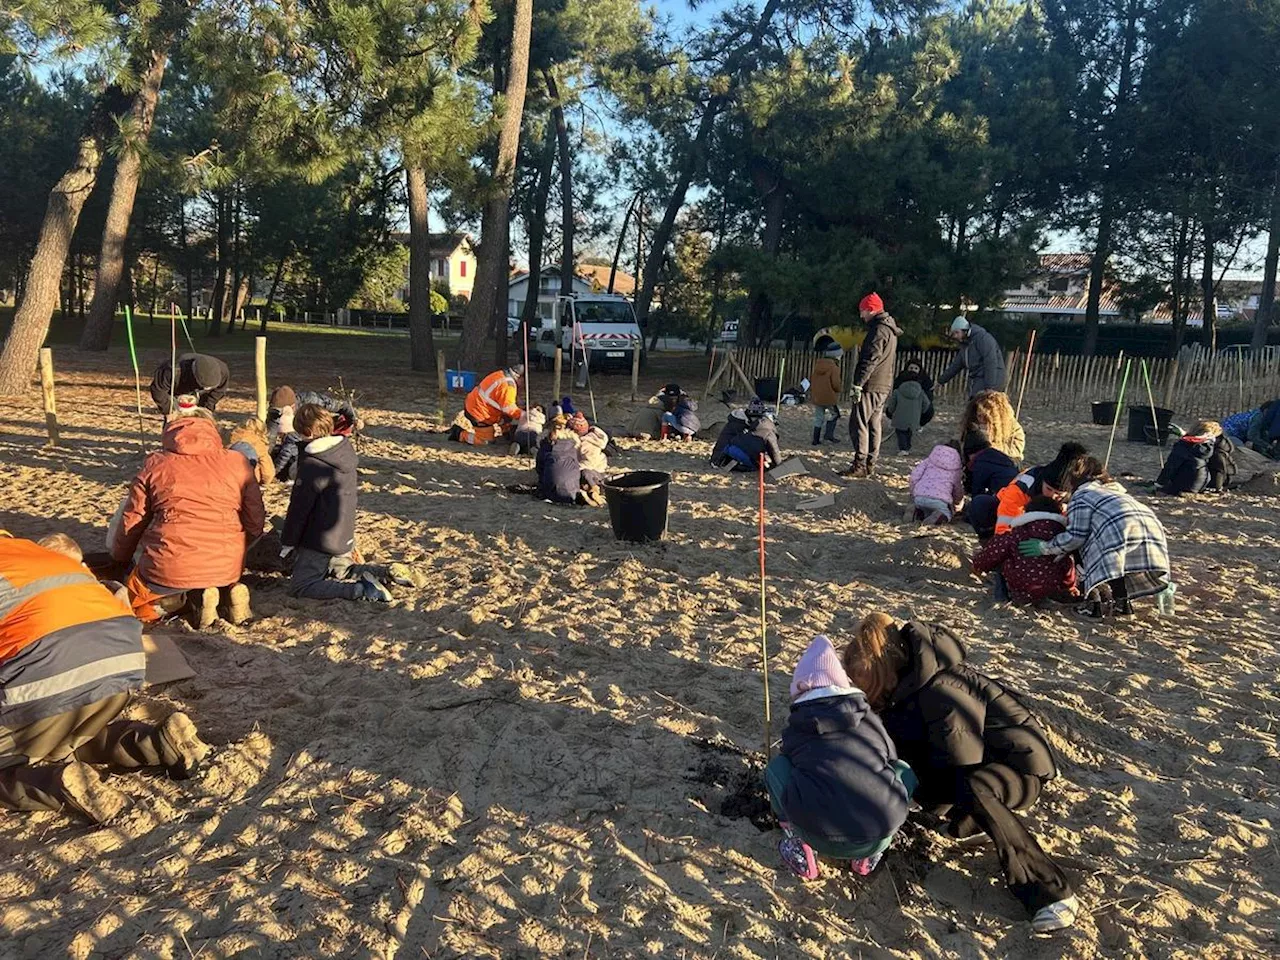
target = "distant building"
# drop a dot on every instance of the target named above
(453, 260)
(548, 290)
(1059, 291)
(598, 276)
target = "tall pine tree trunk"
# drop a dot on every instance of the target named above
(566, 185)
(622, 236)
(1208, 291)
(1267, 301)
(488, 298)
(237, 276)
(536, 223)
(422, 346)
(1107, 205)
(44, 273)
(222, 215)
(271, 294)
(124, 188)
(769, 188)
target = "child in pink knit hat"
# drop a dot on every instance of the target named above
(837, 784)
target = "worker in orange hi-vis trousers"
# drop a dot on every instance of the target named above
(489, 407)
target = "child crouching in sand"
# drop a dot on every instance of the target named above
(1031, 579)
(936, 484)
(837, 785)
(528, 431)
(1122, 547)
(250, 440)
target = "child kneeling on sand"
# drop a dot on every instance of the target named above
(528, 431)
(1122, 547)
(1031, 579)
(592, 442)
(837, 786)
(321, 523)
(936, 484)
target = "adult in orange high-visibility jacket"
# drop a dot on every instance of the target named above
(70, 654)
(490, 405)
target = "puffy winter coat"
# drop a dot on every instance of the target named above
(1187, 469)
(246, 442)
(1014, 496)
(982, 359)
(193, 508)
(162, 382)
(559, 469)
(591, 450)
(939, 476)
(988, 472)
(322, 505)
(824, 382)
(944, 714)
(285, 456)
(843, 785)
(65, 641)
(908, 405)
(874, 372)
(1029, 578)
(686, 414)
(753, 439)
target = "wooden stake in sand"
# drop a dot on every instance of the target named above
(1119, 406)
(764, 631)
(260, 375)
(586, 369)
(50, 401)
(710, 367)
(1155, 422)
(442, 378)
(1026, 372)
(559, 365)
(636, 348)
(137, 380)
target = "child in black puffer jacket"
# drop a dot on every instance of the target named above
(1199, 461)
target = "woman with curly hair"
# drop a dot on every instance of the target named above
(991, 412)
(978, 752)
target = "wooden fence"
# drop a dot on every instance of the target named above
(1208, 387)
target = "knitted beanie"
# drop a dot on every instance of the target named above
(283, 397)
(578, 424)
(207, 371)
(819, 666)
(871, 302)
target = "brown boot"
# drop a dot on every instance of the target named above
(238, 609)
(204, 607)
(181, 750)
(87, 796)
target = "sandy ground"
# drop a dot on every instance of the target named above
(547, 751)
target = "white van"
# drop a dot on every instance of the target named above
(604, 324)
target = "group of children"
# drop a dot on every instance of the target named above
(571, 453)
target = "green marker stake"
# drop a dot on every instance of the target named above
(137, 380)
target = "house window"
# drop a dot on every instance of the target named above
(544, 310)
(442, 267)
(462, 268)
(1058, 285)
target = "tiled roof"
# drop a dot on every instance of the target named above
(1066, 262)
(442, 244)
(598, 275)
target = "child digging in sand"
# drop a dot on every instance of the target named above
(321, 522)
(1031, 579)
(528, 431)
(936, 484)
(1121, 544)
(837, 786)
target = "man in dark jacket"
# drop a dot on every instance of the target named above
(979, 356)
(321, 522)
(872, 384)
(199, 375)
(980, 754)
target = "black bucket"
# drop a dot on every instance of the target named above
(1142, 430)
(767, 389)
(638, 504)
(1104, 412)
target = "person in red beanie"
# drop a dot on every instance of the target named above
(872, 384)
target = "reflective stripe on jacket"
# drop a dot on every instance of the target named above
(492, 400)
(65, 641)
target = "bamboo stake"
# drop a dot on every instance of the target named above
(50, 399)
(764, 630)
(559, 366)
(1116, 419)
(260, 375)
(137, 380)
(1155, 421)
(1026, 372)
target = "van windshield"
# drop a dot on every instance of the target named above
(604, 311)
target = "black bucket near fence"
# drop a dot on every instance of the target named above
(638, 504)
(767, 389)
(1104, 412)
(1143, 430)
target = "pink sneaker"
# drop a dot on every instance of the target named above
(864, 865)
(797, 855)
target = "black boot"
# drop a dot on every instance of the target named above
(829, 433)
(817, 436)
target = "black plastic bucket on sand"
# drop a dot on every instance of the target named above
(1104, 412)
(638, 504)
(1141, 428)
(767, 389)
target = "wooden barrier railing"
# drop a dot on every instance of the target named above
(1208, 387)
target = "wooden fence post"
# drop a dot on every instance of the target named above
(260, 375)
(442, 378)
(559, 363)
(50, 401)
(635, 368)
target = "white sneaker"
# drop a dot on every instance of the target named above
(1056, 916)
(373, 590)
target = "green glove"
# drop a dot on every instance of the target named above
(855, 392)
(1031, 548)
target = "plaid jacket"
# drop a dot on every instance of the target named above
(1116, 537)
